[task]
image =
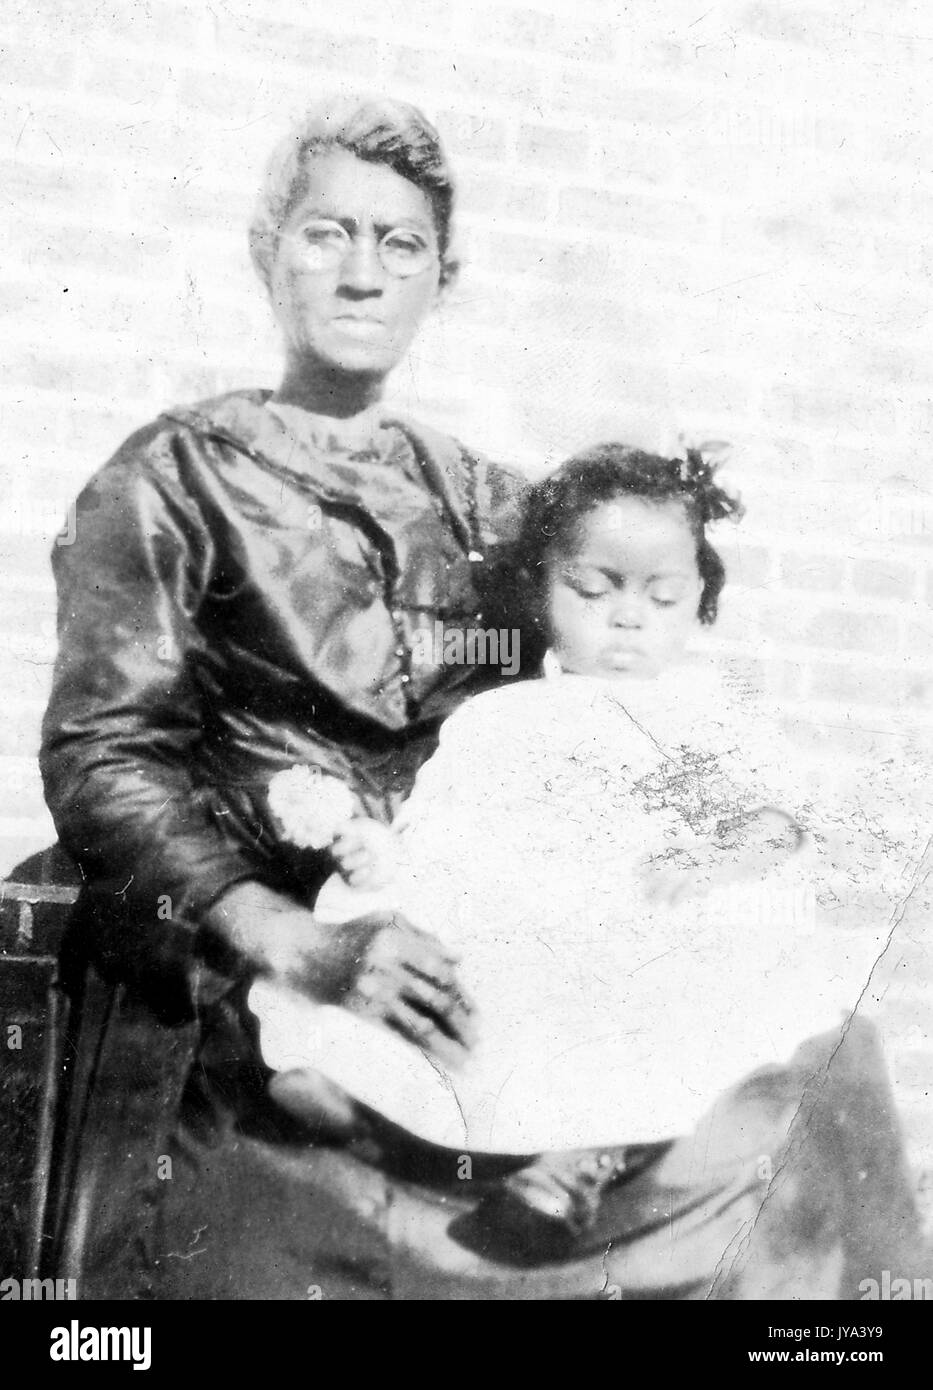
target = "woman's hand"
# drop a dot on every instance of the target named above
(406, 979)
(379, 965)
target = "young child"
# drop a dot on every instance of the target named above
(616, 851)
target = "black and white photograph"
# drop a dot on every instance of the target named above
(467, 617)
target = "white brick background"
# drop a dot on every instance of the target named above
(675, 220)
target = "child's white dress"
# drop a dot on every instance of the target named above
(601, 1018)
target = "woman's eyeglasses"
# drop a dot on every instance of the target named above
(401, 252)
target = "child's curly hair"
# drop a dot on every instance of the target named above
(555, 506)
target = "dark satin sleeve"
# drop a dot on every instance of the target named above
(125, 716)
(502, 492)
(501, 586)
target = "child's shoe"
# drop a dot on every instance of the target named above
(546, 1209)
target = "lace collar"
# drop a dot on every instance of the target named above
(364, 435)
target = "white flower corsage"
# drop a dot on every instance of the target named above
(310, 806)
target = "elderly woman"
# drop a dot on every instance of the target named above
(245, 594)
(251, 577)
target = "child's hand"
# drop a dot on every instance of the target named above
(667, 882)
(743, 852)
(365, 853)
(755, 844)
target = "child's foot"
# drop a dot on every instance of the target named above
(322, 1107)
(544, 1209)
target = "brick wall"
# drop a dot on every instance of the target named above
(676, 221)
